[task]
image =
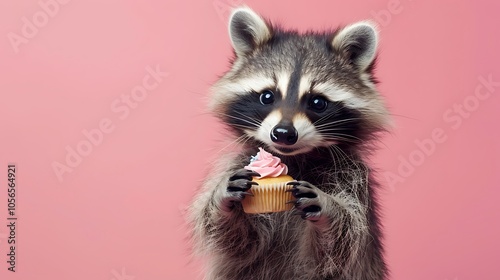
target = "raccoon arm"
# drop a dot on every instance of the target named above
(219, 228)
(343, 210)
(338, 238)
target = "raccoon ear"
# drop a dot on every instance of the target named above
(359, 42)
(247, 30)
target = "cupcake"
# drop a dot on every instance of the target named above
(269, 196)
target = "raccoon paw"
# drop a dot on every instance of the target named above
(237, 188)
(307, 203)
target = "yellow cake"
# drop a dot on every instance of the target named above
(269, 196)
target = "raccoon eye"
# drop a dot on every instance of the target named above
(267, 97)
(318, 104)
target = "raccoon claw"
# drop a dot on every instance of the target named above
(302, 189)
(240, 185)
(311, 213)
(237, 187)
(244, 174)
(247, 193)
(298, 183)
(306, 203)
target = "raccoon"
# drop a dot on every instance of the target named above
(309, 98)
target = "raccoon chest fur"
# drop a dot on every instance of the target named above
(264, 251)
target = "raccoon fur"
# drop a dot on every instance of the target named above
(309, 98)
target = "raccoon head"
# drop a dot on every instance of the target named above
(294, 92)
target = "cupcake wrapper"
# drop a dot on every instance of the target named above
(268, 198)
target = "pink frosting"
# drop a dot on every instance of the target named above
(267, 165)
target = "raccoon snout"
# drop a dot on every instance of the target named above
(284, 134)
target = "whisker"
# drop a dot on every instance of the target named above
(234, 142)
(348, 136)
(243, 126)
(250, 118)
(324, 117)
(337, 122)
(346, 156)
(331, 129)
(337, 138)
(332, 152)
(250, 121)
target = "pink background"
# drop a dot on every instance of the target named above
(119, 211)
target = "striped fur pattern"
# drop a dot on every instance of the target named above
(321, 86)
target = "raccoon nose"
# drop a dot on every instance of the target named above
(284, 134)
